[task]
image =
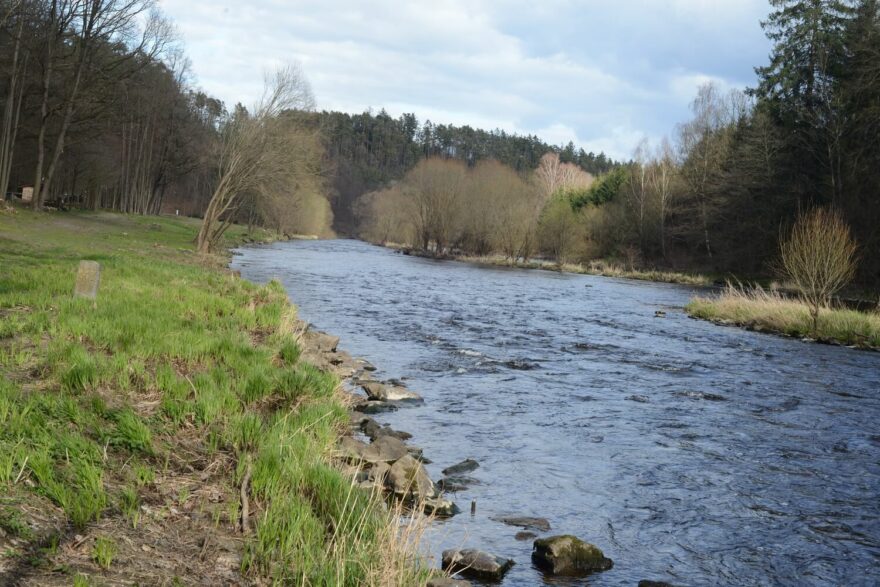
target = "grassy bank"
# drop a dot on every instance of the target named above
(598, 267)
(769, 311)
(167, 433)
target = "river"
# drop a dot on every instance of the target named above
(688, 452)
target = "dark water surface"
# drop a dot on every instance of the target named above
(688, 452)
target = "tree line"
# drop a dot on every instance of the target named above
(716, 194)
(369, 150)
(99, 111)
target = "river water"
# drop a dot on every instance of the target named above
(688, 452)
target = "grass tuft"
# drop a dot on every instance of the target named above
(769, 310)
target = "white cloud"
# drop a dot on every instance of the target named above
(599, 74)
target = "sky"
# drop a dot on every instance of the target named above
(604, 74)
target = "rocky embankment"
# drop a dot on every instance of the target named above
(379, 459)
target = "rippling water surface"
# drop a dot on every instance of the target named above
(688, 452)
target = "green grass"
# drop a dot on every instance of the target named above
(104, 552)
(770, 311)
(95, 395)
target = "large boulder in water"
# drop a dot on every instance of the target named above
(568, 555)
(389, 393)
(408, 479)
(466, 466)
(476, 564)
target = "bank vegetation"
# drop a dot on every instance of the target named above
(169, 431)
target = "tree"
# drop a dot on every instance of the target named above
(661, 176)
(705, 144)
(14, 95)
(558, 229)
(819, 257)
(256, 153)
(75, 39)
(435, 189)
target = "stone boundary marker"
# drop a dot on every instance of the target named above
(88, 278)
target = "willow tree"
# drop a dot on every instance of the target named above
(257, 153)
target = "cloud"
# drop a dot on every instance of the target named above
(600, 74)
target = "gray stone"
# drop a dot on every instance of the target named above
(442, 508)
(523, 536)
(88, 278)
(321, 341)
(456, 483)
(390, 448)
(408, 479)
(385, 450)
(466, 466)
(525, 522)
(568, 555)
(476, 564)
(388, 393)
(447, 582)
(374, 407)
(373, 430)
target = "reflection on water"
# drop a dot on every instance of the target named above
(688, 452)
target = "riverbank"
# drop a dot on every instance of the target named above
(771, 312)
(171, 430)
(598, 267)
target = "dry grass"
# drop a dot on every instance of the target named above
(769, 310)
(597, 267)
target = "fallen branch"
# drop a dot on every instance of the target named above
(245, 503)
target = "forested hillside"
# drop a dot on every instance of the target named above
(369, 150)
(717, 193)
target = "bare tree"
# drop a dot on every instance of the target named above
(819, 257)
(705, 143)
(257, 153)
(75, 33)
(436, 188)
(662, 173)
(558, 229)
(638, 199)
(552, 175)
(14, 97)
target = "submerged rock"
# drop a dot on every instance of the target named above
(408, 478)
(456, 483)
(466, 466)
(568, 555)
(523, 536)
(526, 522)
(442, 508)
(646, 583)
(476, 564)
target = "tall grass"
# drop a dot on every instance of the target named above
(770, 310)
(175, 349)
